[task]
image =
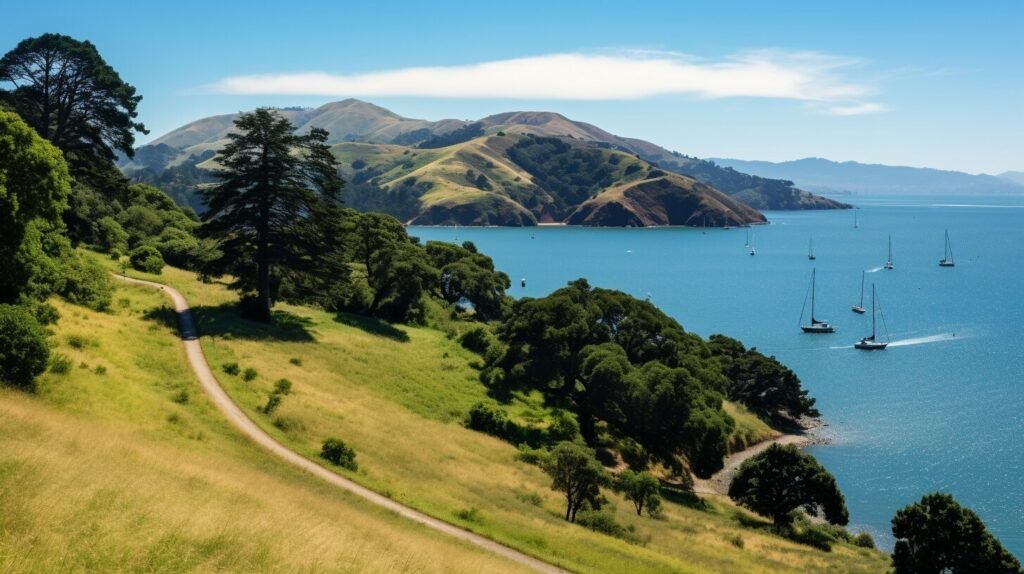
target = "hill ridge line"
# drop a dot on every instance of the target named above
(241, 421)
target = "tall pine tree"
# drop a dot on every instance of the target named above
(278, 198)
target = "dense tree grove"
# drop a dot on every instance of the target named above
(937, 535)
(782, 479)
(622, 366)
(761, 383)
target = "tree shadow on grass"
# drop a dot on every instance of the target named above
(683, 496)
(226, 320)
(373, 326)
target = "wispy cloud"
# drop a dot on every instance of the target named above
(625, 75)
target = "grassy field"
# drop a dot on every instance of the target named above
(398, 396)
(122, 464)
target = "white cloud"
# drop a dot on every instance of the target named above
(624, 75)
(855, 109)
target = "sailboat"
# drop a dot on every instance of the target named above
(747, 242)
(871, 343)
(855, 226)
(888, 262)
(859, 308)
(750, 244)
(816, 326)
(810, 251)
(947, 261)
(703, 225)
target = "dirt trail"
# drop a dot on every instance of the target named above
(196, 359)
(719, 482)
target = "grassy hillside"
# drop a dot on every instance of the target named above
(357, 121)
(122, 464)
(398, 396)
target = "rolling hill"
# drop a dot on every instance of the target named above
(467, 173)
(825, 176)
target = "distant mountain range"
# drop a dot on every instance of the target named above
(831, 177)
(516, 168)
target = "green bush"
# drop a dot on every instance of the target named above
(605, 523)
(60, 364)
(295, 361)
(282, 387)
(273, 401)
(488, 417)
(864, 540)
(231, 369)
(478, 339)
(111, 236)
(338, 453)
(147, 259)
(249, 374)
(23, 350)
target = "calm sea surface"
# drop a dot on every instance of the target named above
(941, 409)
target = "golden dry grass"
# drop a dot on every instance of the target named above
(400, 405)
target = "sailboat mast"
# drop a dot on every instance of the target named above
(862, 289)
(872, 311)
(814, 274)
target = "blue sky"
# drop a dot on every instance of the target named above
(937, 84)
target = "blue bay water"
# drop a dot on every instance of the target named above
(941, 409)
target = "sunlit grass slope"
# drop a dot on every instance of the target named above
(398, 395)
(123, 465)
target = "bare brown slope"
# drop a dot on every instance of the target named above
(666, 200)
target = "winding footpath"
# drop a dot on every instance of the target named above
(196, 359)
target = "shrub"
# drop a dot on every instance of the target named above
(282, 387)
(249, 374)
(273, 401)
(295, 361)
(864, 540)
(181, 397)
(23, 350)
(469, 515)
(100, 370)
(147, 259)
(338, 453)
(737, 541)
(477, 339)
(60, 364)
(536, 456)
(488, 417)
(231, 369)
(77, 341)
(605, 523)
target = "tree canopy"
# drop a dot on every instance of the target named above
(64, 89)
(578, 475)
(762, 383)
(622, 362)
(275, 188)
(937, 535)
(782, 479)
(34, 185)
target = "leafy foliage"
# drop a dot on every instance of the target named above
(64, 89)
(621, 361)
(640, 488)
(147, 259)
(782, 479)
(34, 185)
(338, 453)
(937, 535)
(571, 173)
(23, 350)
(762, 383)
(467, 274)
(577, 474)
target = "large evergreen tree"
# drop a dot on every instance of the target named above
(276, 186)
(64, 89)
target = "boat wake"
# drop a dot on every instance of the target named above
(873, 270)
(914, 341)
(925, 340)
